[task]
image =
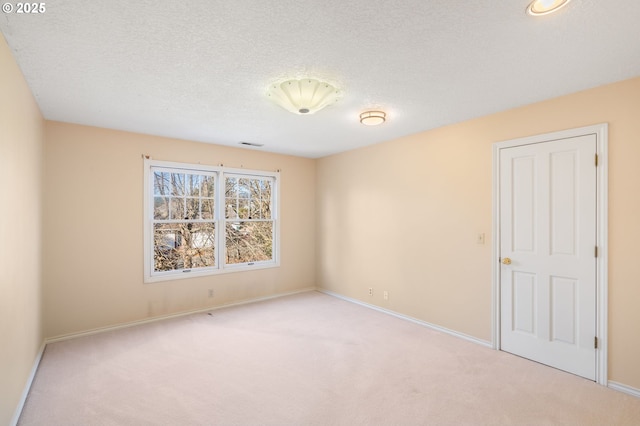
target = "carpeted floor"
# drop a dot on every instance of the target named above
(307, 359)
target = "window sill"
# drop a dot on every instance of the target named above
(181, 275)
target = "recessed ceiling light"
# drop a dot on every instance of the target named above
(372, 118)
(544, 7)
(305, 96)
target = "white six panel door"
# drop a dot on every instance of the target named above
(548, 232)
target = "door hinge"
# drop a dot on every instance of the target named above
(595, 343)
(596, 251)
(596, 160)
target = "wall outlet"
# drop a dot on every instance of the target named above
(385, 295)
(211, 293)
(370, 291)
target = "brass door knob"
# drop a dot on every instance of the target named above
(506, 261)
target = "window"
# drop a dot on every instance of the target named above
(249, 223)
(205, 220)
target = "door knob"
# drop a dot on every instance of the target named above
(506, 261)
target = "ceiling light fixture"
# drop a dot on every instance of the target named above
(305, 96)
(372, 118)
(544, 7)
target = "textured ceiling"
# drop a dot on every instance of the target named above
(199, 69)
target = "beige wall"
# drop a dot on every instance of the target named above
(427, 196)
(93, 224)
(20, 194)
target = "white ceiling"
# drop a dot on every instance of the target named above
(199, 69)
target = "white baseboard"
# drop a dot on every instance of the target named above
(165, 317)
(408, 318)
(27, 387)
(624, 388)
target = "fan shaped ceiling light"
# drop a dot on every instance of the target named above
(544, 7)
(373, 118)
(305, 96)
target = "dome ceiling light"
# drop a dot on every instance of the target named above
(544, 7)
(373, 118)
(305, 96)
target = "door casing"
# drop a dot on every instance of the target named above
(601, 133)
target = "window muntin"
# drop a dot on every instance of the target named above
(206, 220)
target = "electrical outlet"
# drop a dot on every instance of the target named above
(370, 291)
(385, 295)
(211, 292)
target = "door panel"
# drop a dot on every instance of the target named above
(524, 224)
(524, 302)
(563, 213)
(563, 310)
(548, 230)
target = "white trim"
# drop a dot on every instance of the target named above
(601, 131)
(27, 387)
(602, 263)
(411, 319)
(495, 254)
(205, 272)
(624, 388)
(166, 317)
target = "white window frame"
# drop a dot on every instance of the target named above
(150, 275)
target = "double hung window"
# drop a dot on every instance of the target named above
(203, 220)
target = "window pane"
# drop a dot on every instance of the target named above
(248, 198)
(266, 187)
(177, 184)
(243, 188)
(243, 208)
(193, 209)
(207, 209)
(249, 242)
(161, 183)
(255, 212)
(183, 246)
(263, 197)
(160, 208)
(207, 186)
(177, 208)
(231, 208)
(231, 190)
(193, 185)
(266, 209)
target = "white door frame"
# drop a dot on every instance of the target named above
(601, 132)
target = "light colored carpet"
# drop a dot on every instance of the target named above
(307, 359)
